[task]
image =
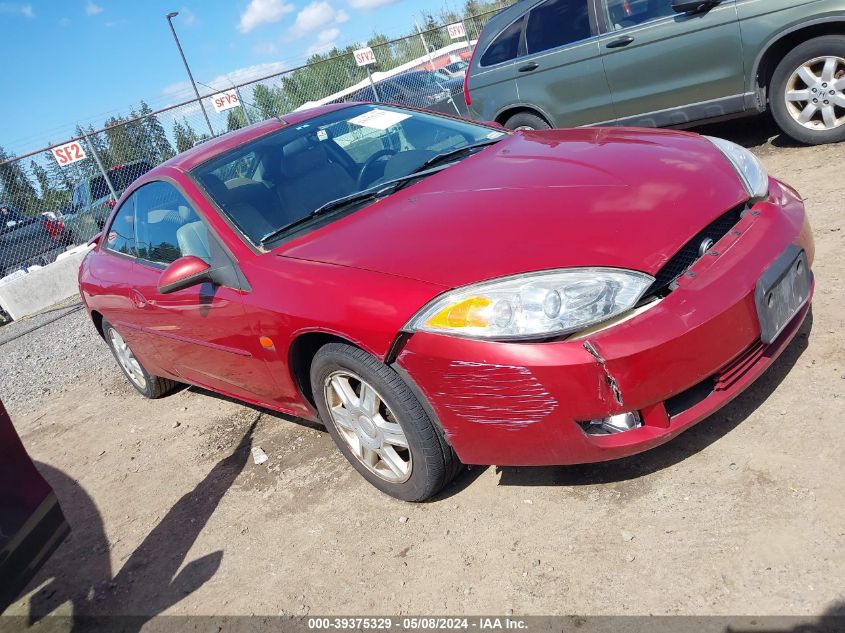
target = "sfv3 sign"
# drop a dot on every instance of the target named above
(223, 101)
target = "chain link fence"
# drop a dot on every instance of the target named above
(58, 197)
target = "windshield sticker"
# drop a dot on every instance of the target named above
(322, 135)
(379, 119)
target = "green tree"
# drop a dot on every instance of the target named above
(236, 119)
(184, 135)
(161, 149)
(17, 189)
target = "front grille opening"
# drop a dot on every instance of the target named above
(683, 260)
(688, 399)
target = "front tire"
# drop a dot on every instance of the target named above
(149, 386)
(807, 91)
(379, 425)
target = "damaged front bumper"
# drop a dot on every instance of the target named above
(675, 363)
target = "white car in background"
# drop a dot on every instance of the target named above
(455, 70)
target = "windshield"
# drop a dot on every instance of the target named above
(279, 179)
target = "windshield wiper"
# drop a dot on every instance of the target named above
(454, 153)
(375, 192)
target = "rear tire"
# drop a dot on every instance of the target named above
(825, 108)
(146, 384)
(391, 441)
(526, 121)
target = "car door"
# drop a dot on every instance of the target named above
(201, 333)
(668, 68)
(112, 266)
(561, 71)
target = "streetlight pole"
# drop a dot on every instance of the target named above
(170, 17)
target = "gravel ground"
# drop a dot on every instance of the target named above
(742, 514)
(44, 355)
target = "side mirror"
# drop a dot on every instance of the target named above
(183, 273)
(693, 6)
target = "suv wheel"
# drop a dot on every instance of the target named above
(379, 425)
(808, 91)
(526, 121)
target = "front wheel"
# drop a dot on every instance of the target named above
(526, 121)
(808, 91)
(379, 425)
(148, 385)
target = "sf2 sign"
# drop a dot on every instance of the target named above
(456, 30)
(364, 56)
(69, 153)
(223, 101)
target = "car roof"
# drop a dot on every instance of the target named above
(214, 147)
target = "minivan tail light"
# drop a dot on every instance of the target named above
(467, 98)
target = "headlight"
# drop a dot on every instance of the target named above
(754, 176)
(533, 305)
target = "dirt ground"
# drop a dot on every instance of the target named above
(742, 515)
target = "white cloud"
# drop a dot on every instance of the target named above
(23, 9)
(317, 15)
(260, 12)
(182, 90)
(370, 4)
(265, 48)
(187, 17)
(93, 9)
(326, 41)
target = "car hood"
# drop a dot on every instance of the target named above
(539, 200)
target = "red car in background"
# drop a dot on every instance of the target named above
(440, 292)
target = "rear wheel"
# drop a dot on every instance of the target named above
(379, 425)
(526, 121)
(148, 385)
(808, 91)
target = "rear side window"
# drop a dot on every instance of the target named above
(557, 23)
(505, 47)
(121, 235)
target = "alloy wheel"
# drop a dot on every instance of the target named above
(368, 426)
(815, 93)
(127, 360)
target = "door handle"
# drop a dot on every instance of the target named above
(527, 68)
(138, 299)
(619, 42)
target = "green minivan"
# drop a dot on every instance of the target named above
(655, 63)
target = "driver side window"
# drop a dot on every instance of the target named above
(166, 226)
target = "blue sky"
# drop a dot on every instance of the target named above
(83, 60)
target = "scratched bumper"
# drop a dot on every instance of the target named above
(676, 363)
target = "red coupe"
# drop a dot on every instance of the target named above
(440, 292)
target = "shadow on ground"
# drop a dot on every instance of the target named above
(753, 131)
(680, 448)
(150, 581)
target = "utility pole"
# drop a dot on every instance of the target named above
(170, 17)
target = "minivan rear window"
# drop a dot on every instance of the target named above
(505, 47)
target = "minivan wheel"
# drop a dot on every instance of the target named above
(526, 121)
(808, 91)
(148, 385)
(379, 425)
